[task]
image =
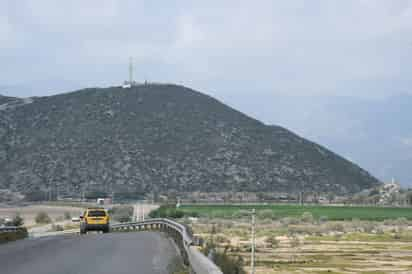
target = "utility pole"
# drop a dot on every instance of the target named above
(136, 209)
(143, 213)
(252, 259)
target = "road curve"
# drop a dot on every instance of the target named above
(114, 253)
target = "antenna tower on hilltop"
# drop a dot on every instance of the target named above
(131, 82)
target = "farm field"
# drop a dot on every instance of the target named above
(306, 245)
(275, 211)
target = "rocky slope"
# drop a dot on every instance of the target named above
(158, 137)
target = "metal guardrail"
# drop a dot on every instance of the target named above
(5, 229)
(199, 263)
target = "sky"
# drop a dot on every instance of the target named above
(224, 48)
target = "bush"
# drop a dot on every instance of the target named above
(294, 241)
(368, 227)
(272, 241)
(228, 264)
(307, 217)
(6, 237)
(57, 227)
(67, 215)
(266, 214)
(290, 221)
(323, 219)
(17, 220)
(42, 218)
(166, 211)
(335, 227)
(401, 221)
(35, 196)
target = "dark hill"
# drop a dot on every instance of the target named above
(159, 137)
(6, 99)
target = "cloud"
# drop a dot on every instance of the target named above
(360, 48)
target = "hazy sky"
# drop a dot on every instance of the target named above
(358, 48)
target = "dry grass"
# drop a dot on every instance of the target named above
(331, 247)
(29, 213)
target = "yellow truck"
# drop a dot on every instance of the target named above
(94, 219)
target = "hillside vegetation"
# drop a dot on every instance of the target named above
(158, 138)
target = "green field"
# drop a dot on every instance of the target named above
(280, 211)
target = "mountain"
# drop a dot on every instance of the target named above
(375, 133)
(158, 138)
(6, 99)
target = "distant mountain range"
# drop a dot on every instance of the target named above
(158, 138)
(374, 133)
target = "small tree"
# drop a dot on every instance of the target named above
(42, 218)
(17, 220)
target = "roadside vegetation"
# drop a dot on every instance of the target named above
(176, 266)
(42, 218)
(170, 211)
(18, 221)
(309, 244)
(121, 214)
(13, 236)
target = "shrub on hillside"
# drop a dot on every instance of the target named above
(35, 196)
(42, 218)
(238, 214)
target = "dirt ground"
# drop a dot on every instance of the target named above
(384, 249)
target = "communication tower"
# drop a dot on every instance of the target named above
(130, 83)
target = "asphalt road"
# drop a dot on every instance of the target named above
(113, 253)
